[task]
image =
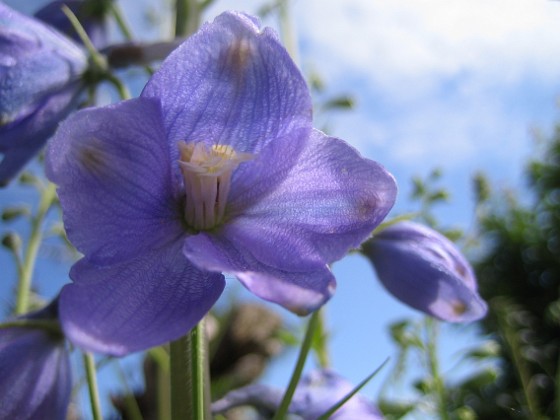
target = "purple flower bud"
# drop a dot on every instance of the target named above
(90, 13)
(316, 393)
(35, 378)
(40, 71)
(425, 270)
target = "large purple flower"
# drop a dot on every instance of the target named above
(316, 393)
(215, 168)
(40, 72)
(425, 270)
(35, 378)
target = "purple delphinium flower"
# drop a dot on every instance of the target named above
(316, 393)
(214, 168)
(35, 377)
(40, 72)
(425, 270)
(90, 13)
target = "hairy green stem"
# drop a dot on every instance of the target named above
(48, 195)
(431, 349)
(282, 412)
(89, 364)
(501, 308)
(190, 397)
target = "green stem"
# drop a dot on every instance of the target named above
(302, 357)
(131, 404)
(119, 86)
(26, 273)
(190, 397)
(37, 324)
(121, 23)
(502, 308)
(321, 339)
(431, 348)
(125, 28)
(187, 17)
(89, 364)
(287, 29)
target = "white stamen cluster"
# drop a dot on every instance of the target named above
(207, 176)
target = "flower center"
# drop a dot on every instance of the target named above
(207, 175)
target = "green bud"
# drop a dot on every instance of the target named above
(12, 241)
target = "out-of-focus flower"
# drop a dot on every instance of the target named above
(316, 393)
(90, 13)
(35, 377)
(214, 168)
(40, 71)
(425, 270)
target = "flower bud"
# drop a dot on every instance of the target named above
(425, 270)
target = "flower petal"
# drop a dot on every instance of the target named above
(316, 393)
(231, 83)
(328, 202)
(300, 292)
(426, 271)
(35, 61)
(115, 184)
(20, 141)
(131, 306)
(35, 378)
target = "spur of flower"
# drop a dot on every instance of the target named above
(35, 377)
(425, 270)
(214, 169)
(40, 82)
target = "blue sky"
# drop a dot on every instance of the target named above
(456, 84)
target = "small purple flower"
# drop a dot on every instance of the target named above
(39, 85)
(425, 270)
(214, 168)
(316, 393)
(90, 13)
(35, 377)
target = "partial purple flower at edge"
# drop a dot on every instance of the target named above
(316, 393)
(40, 72)
(214, 168)
(35, 377)
(425, 270)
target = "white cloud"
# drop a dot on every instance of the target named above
(438, 82)
(406, 46)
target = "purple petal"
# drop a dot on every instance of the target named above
(319, 390)
(115, 184)
(35, 61)
(20, 142)
(312, 213)
(231, 83)
(137, 304)
(35, 378)
(300, 292)
(316, 393)
(40, 73)
(426, 271)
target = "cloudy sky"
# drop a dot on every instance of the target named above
(456, 84)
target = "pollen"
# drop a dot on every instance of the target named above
(207, 172)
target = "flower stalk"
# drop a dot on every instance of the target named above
(89, 364)
(296, 375)
(190, 397)
(24, 285)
